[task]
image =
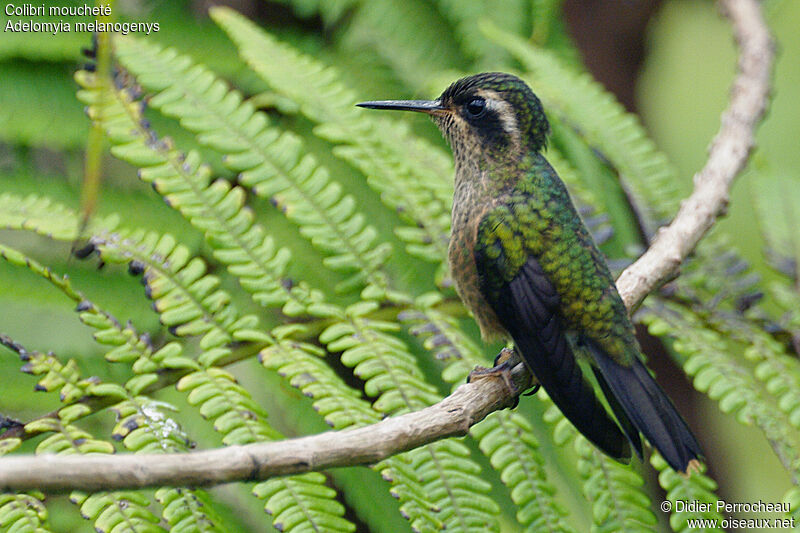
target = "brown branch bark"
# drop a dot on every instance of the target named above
(470, 402)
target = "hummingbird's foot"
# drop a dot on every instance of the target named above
(504, 364)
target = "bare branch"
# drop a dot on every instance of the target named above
(471, 402)
(727, 157)
(452, 417)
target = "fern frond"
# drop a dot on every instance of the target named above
(128, 344)
(270, 161)
(220, 399)
(343, 407)
(383, 361)
(188, 511)
(303, 367)
(64, 378)
(106, 510)
(505, 437)
(416, 44)
(792, 498)
(126, 511)
(141, 426)
(722, 288)
(507, 440)
(144, 427)
(412, 176)
(319, 510)
(697, 487)
(392, 376)
(188, 300)
(23, 513)
(594, 112)
(215, 208)
(451, 482)
(614, 491)
(301, 503)
(706, 355)
(45, 217)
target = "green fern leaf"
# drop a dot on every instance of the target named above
(118, 510)
(270, 162)
(188, 511)
(300, 503)
(614, 490)
(414, 45)
(412, 176)
(708, 357)
(215, 208)
(106, 510)
(23, 513)
(390, 374)
(45, 217)
(187, 299)
(694, 488)
(301, 364)
(792, 499)
(343, 407)
(505, 438)
(319, 512)
(220, 399)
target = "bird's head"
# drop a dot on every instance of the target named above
(491, 116)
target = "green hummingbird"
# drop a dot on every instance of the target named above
(528, 269)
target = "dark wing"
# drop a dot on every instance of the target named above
(526, 304)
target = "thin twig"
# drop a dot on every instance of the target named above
(470, 402)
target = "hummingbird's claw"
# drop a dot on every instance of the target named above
(504, 364)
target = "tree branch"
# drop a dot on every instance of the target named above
(470, 402)
(452, 417)
(727, 157)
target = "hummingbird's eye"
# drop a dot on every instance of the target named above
(475, 108)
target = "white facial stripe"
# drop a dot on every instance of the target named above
(503, 110)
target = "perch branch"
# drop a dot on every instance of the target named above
(470, 402)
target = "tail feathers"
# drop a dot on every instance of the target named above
(649, 410)
(624, 422)
(562, 378)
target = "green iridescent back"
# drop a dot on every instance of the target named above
(536, 217)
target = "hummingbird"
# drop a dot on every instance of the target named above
(526, 266)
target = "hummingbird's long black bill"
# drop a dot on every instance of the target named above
(431, 107)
